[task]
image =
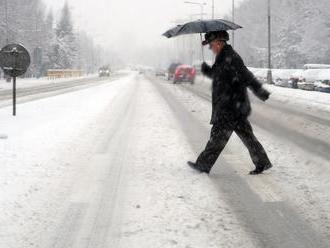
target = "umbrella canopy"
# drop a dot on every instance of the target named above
(201, 26)
(171, 33)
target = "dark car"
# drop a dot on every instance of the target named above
(184, 73)
(171, 70)
(104, 71)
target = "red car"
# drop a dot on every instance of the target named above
(184, 73)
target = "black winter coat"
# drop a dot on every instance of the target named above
(231, 79)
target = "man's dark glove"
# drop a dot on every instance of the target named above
(263, 94)
(205, 68)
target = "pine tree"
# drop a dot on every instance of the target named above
(65, 48)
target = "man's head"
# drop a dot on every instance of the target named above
(216, 40)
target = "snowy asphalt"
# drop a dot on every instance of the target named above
(31, 93)
(285, 121)
(274, 224)
(111, 172)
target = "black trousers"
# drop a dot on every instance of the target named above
(220, 135)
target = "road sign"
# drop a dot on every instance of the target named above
(14, 61)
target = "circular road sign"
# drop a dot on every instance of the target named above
(14, 60)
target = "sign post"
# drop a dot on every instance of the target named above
(14, 60)
(14, 96)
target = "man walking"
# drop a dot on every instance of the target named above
(230, 105)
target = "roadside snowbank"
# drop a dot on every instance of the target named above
(30, 82)
(306, 100)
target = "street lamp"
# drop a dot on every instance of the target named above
(6, 20)
(269, 73)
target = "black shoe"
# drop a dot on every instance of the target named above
(198, 168)
(260, 170)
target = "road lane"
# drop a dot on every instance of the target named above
(272, 224)
(131, 186)
(53, 89)
(92, 218)
(287, 124)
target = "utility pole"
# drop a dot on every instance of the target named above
(6, 20)
(212, 9)
(269, 73)
(233, 18)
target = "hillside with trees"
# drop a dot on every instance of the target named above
(52, 43)
(300, 32)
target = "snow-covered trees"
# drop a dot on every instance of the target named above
(300, 32)
(66, 41)
(52, 43)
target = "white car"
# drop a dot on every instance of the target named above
(281, 82)
(322, 86)
(303, 85)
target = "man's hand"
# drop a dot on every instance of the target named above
(263, 94)
(205, 68)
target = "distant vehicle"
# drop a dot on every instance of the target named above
(293, 82)
(104, 71)
(307, 79)
(160, 73)
(184, 73)
(322, 86)
(285, 77)
(316, 66)
(281, 82)
(305, 85)
(171, 71)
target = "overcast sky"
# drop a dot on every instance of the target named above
(117, 23)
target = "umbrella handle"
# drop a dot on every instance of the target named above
(202, 47)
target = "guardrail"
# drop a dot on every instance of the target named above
(66, 73)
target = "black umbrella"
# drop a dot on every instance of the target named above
(201, 26)
(172, 32)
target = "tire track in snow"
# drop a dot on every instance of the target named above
(271, 224)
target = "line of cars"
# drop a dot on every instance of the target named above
(310, 78)
(313, 77)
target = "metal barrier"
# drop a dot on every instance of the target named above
(66, 73)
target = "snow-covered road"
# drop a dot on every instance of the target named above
(106, 167)
(32, 89)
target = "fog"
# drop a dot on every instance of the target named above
(134, 28)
